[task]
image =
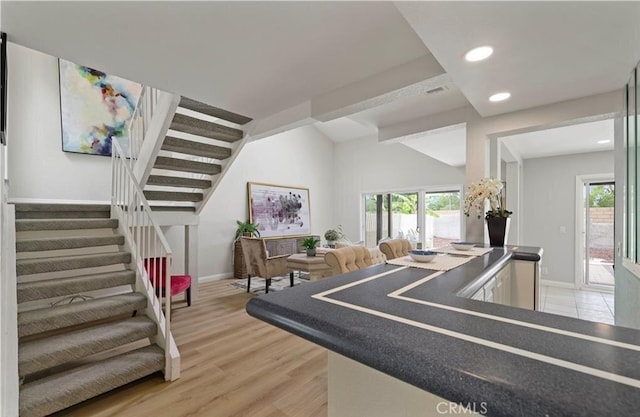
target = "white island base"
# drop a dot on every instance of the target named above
(356, 390)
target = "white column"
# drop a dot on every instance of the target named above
(477, 168)
(513, 180)
(495, 158)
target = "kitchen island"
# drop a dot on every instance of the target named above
(417, 341)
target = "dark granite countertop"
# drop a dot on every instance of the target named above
(429, 334)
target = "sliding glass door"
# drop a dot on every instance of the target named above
(376, 212)
(391, 215)
(442, 218)
(427, 218)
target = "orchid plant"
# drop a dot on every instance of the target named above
(487, 189)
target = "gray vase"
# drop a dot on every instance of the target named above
(311, 252)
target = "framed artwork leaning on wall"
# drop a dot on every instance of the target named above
(279, 210)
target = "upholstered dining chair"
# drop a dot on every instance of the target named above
(157, 270)
(259, 264)
(395, 248)
(352, 258)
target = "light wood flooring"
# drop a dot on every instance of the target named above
(232, 365)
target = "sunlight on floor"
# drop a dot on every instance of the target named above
(600, 272)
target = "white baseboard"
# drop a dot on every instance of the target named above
(215, 277)
(560, 284)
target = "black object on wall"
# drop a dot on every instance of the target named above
(3, 88)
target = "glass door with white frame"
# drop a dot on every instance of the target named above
(598, 230)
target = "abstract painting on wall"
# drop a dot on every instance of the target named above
(95, 109)
(279, 210)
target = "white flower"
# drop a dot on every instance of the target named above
(487, 189)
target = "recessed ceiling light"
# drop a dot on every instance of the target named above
(603, 141)
(500, 96)
(478, 54)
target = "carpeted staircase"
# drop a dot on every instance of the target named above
(200, 141)
(82, 330)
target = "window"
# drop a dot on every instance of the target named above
(631, 142)
(376, 219)
(427, 218)
(442, 218)
(390, 215)
(631, 248)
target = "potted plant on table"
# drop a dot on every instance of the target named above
(332, 235)
(247, 229)
(497, 217)
(310, 244)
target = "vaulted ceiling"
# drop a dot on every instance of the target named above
(351, 67)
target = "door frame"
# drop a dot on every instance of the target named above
(579, 240)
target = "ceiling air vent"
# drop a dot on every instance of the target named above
(437, 90)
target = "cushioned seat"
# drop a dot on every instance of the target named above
(395, 248)
(352, 258)
(156, 268)
(377, 257)
(260, 264)
(180, 284)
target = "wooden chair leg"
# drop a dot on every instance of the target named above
(266, 285)
(188, 296)
(291, 279)
(248, 283)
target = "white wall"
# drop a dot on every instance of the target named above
(38, 168)
(302, 157)
(549, 203)
(364, 165)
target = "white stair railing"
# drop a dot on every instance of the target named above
(148, 128)
(141, 120)
(150, 253)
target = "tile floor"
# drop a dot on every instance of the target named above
(587, 305)
(601, 273)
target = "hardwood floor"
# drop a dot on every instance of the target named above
(232, 365)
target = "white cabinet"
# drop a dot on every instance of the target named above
(479, 295)
(489, 291)
(514, 285)
(524, 284)
(503, 286)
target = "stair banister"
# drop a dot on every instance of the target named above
(149, 127)
(135, 129)
(146, 241)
